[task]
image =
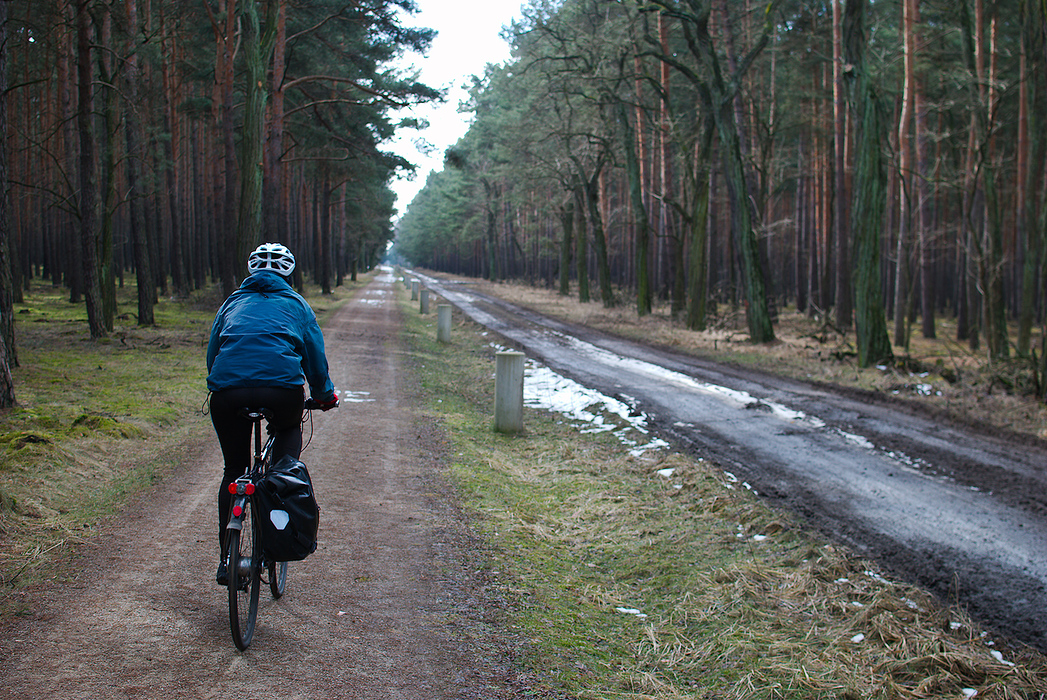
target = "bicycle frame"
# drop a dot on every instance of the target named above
(245, 568)
(245, 485)
(245, 565)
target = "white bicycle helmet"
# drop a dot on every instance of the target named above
(271, 256)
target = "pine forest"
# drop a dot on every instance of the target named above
(163, 140)
(876, 163)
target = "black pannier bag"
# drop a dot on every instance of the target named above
(287, 511)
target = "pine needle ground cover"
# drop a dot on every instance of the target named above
(661, 576)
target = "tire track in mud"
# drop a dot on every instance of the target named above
(958, 511)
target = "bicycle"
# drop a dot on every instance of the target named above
(243, 550)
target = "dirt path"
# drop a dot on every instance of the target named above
(388, 607)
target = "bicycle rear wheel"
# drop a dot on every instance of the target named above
(277, 578)
(242, 559)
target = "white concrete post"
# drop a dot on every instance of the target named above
(443, 323)
(508, 392)
(423, 306)
(415, 284)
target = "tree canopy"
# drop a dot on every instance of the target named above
(761, 154)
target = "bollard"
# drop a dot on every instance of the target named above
(443, 323)
(414, 289)
(423, 306)
(508, 392)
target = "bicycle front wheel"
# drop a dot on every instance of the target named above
(277, 578)
(242, 560)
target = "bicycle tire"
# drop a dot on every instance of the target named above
(277, 578)
(243, 557)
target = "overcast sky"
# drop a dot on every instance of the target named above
(468, 39)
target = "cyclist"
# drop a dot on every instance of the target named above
(265, 344)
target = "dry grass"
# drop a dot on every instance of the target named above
(942, 373)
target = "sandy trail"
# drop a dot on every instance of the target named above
(388, 606)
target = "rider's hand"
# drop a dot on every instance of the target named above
(329, 403)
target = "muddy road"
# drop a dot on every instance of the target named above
(388, 607)
(959, 511)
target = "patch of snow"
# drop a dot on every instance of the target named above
(632, 611)
(999, 657)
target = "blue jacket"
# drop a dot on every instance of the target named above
(266, 335)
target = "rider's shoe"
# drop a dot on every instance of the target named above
(222, 577)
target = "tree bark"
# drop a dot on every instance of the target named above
(902, 287)
(69, 243)
(990, 273)
(581, 242)
(8, 356)
(273, 203)
(643, 226)
(869, 195)
(698, 223)
(922, 184)
(107, 275)
(1032, 149)
(135, 137)
(88, 179)
(603, 269)
(844, 306)
(257, 48)
(566, 243)
(720, 99)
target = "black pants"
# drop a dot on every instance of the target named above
(234, 432)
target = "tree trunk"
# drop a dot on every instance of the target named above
(179, 268)
(922, 184)
(1032, 149)
(581, 241)
(88, 179)
(69, 244)
(257, 50)
(225, 36)
(698, 223)
(742, 218)
(326, 243)
(566, 243)
(643, 227)
(603, 270)
(273, 203)
(844, 304)
(991, 262)
(107, 275)
(8, 356)
(869, 195)
(902, 287)
(135, 137)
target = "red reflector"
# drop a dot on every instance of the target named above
(232, 488)
(238, 511)
(249, 489)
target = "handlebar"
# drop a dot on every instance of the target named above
(312, 404)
